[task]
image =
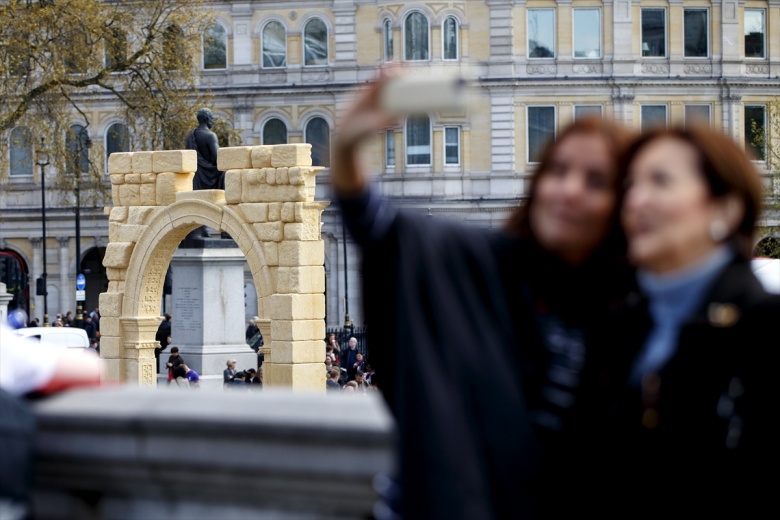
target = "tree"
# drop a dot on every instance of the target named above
(66, 65)
(763, 140)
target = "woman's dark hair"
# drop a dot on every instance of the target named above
(617, 138)
(726, 169)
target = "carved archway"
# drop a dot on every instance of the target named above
(267, 207)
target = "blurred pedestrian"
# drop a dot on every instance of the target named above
(229, 373)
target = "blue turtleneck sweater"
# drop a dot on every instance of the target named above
(673, 298)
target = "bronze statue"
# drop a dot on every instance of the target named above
(205, 142)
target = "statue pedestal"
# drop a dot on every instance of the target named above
(208, 308)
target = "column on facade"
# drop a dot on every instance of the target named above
(242, 33)
(730, 36)
(502, 130)
(243, 119)
(624, 63)
(773, 44)
(66, 302)
(501, 36)
(37, 271)
(345, 40)
(732, 109)
(624, 109)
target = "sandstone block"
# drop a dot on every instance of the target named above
(296, 175)
(281, 176)
(142, 162)
(120, 162)
(270, 176)
(140, 216)
(297, 307)
(256, 212)
(301, 231)
(118, 255)
(269, 231)
(271, 253)
(116, 275)
(109, 327)
(211, 196)
(117, 179)
(234, 158)
(130, 233)
(148, 195)
(169, 184)
(116, 286)
(148, 178)
(300, 280)
(233, 186)
(274, 211)
(255, 176)
(111, 305)
(288, 212)
(133, 178)
(116, 197)
(110, 345)
(290, 155)
(294, 253)
(261, 156)
(130, 194)
(300, 377)
(113, 231)
(297, 330)
(297, 351)
(176, 161)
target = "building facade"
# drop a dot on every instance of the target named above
(285, 72)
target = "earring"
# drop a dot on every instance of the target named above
(718, 230)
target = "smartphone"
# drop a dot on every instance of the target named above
(411, 94)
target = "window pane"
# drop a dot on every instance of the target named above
(418, 140)
(388, 40)
(541, 130)
(315, 43)
(696, 33)
(274, 45)
(754, 33)
(390, 148)
(116, 50)
(416, 37)
(452, 145)
(755, 131)
(653, 33)
(21, 145)
(450, 30)
(697, 115)
(77, 146)
(584, 111)
(274, 132)
(541, 33)
(587, 33)
(653, 116)
(117, 140)
(318, 135)
(215, 47)
(175, 55)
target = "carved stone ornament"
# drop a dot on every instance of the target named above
(655, 68)
(702, 68)
(757, 68)
(541, 69)
(588, 68)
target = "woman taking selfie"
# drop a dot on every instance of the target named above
(484, 333)
(697, 430)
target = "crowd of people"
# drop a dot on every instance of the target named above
(347, 370)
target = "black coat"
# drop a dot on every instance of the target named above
(702, 435)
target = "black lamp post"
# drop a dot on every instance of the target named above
(347, 321)
(42, 160)
(79, 322)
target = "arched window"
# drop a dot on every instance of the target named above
(77, 146)
(315, 43)
(318, 135)
(274, 45)
(387, 40)
(117, 140)
(449, 33)
(418, 140)
(215, 47)
(416, 37)
(274, 132)
(21, 145)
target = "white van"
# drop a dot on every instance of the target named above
(70, 337)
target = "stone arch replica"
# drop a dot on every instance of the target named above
(268, 209)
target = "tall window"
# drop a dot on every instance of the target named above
(587, 33)
(697, 33)
(174, 48)
(541, 130)
(315, 43)
(452, 145)
(390, 148)
(541, 33)
(449, 33)
(418, 140)
(274, 45)
(755, 131)
(318, 135)
(77, 147)
(755, 27)
(274, 132)
(654, 33)
(387, 40)
(116, 50)
(416, 40)
(586, 111)
(697, 115)
(653, 116)
(117, 140)
(215, 47)
(21, 151)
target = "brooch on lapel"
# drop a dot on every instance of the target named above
(722, 314)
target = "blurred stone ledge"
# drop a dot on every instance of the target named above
(133, 453)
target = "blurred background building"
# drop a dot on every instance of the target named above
(283, 72)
